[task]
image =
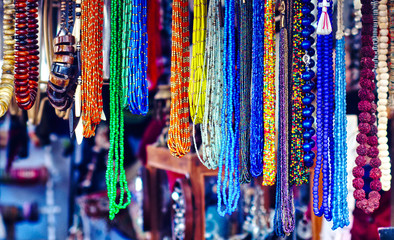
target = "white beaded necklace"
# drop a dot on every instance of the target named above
(383, 81)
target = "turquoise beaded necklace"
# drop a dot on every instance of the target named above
(115, 173)
(340, 211)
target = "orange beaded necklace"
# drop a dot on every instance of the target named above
(92, 64)
(179, 132)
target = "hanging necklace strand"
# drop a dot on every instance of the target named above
(256, 105)
(7, 77)
(228, 190)
(179, 132)
(245, 79)
(298, 172)
(269, 93)
(211, 126)
(92, 64)
(367, 151)
(383, 82)
(137, 96)
(197, 82)
(115, 174)
(340, 211)
(284, 219)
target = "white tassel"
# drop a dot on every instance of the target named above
(324, 25)
(77, 35)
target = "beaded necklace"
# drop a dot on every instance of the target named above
(179, 133)
(256, 105)
(325, 110)
(138, 60)
(197, 82)
(391, 82)
(284, 219)
(245, 79)
(26, 53)
(7, 77)
(298, 172)
(269, 93)
(308, 85)
(229, 190)
(340, 211)
(383, 77)
(126, 35)
(211, 126)
(92, 64)
(115, 174)
(367, 150)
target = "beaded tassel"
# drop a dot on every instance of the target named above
(340, 211)
(115, 174)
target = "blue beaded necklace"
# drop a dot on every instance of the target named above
(307, 75)
(229, 190)
(340, 211)
(137, 96)
(256, 120)
(324, 120)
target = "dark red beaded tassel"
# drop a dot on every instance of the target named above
(26, 53)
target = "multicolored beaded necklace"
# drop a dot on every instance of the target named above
(269, 93)
(298, 172)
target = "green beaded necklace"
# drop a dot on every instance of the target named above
(115, 170)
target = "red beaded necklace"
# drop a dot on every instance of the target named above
(26, 53)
